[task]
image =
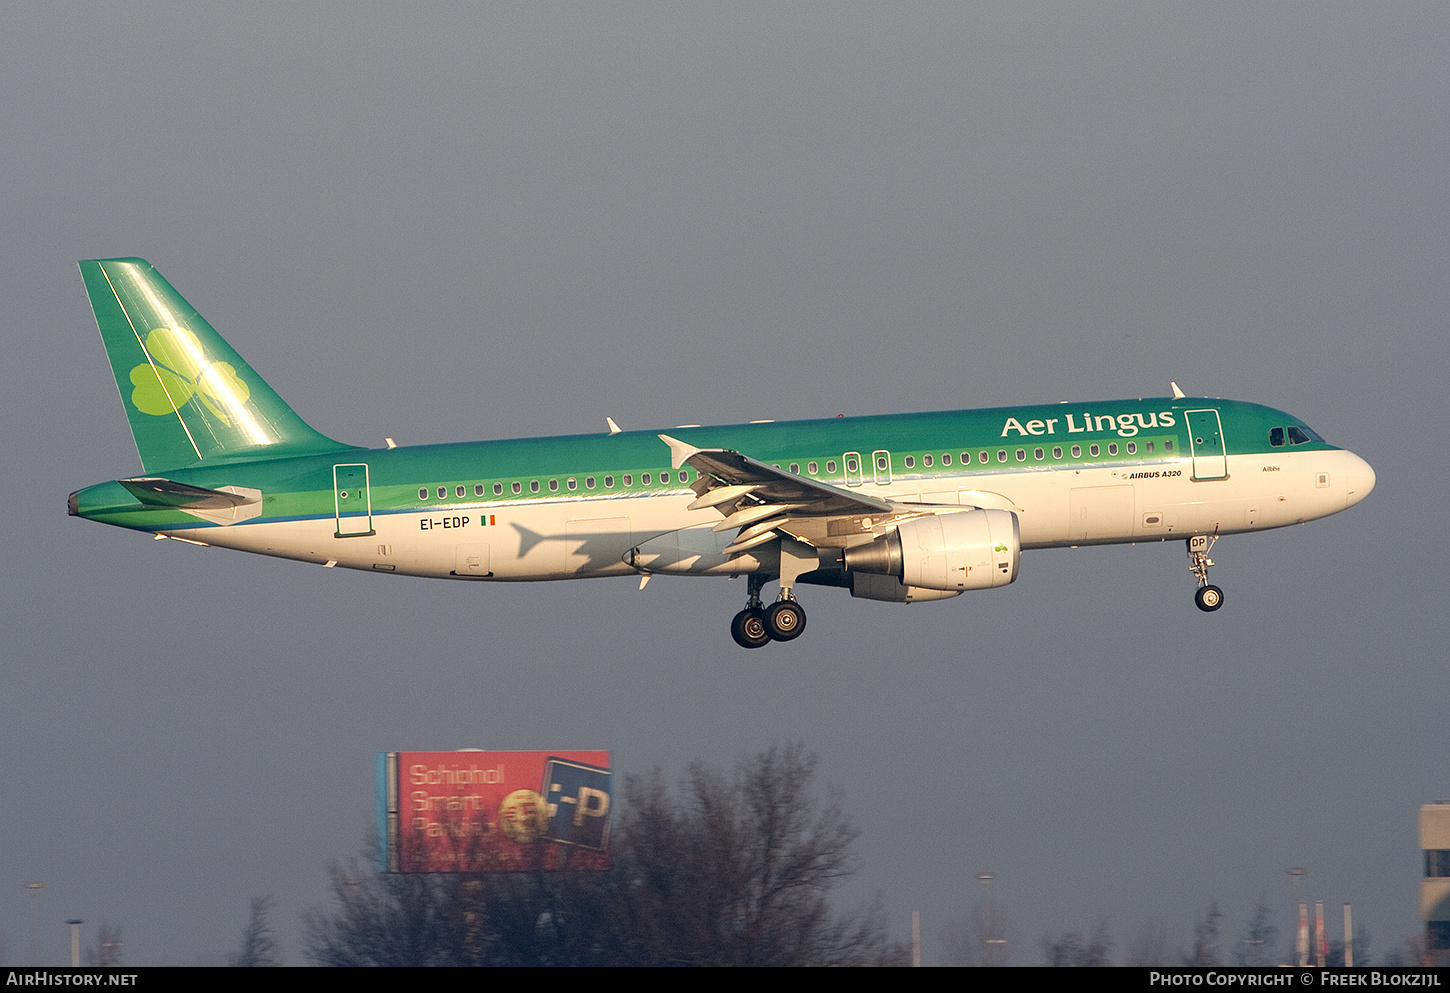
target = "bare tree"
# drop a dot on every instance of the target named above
(740, 872)
(106, 951)
(1335, 958)
(1073, 949)
(1154, 945)
(380, 920)
(733, 870)
(259, 943)
(1205, 938)
(1256, 947)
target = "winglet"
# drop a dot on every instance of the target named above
(1177, 393)
(679, 450)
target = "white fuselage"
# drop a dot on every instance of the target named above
(578, 537)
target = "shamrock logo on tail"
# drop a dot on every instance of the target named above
(182, 371)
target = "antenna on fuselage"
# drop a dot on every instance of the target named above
(1177, 393)
(613, 428)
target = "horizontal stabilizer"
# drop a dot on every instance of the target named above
(154, 491)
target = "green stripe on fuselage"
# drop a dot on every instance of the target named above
(302, 487)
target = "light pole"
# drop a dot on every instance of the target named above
(1301, 923)
(75, 942)
(34, 889)
(994, 946)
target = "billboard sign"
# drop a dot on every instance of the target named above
(493, 811)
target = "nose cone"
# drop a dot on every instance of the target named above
(1359, 477)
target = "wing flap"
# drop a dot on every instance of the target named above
(765, 484)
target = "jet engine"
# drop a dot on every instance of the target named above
(965, 550)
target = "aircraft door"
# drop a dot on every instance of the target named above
(352, 499)
(881, 466)
(1205, 441)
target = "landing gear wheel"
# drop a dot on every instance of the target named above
(1208, 598)
(748, 628)
(785, 620)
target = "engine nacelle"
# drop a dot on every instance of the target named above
(870, 586)
(967, 550)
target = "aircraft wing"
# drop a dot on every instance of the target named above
(762, 500)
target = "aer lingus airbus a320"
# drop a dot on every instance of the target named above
(899, 508)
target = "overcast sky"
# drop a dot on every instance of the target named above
(454, 221)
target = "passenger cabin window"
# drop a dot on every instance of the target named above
(1001, 455)
(1112, 448)
(553, 485)
(1038, 454)
(911, 462)
(644, 479)
(1093, 450)
(498, 489)
(1077, 451)
(460, 491)
(926, 461)
(609, 482)
(517, 488)
(442, 493)
(795, 467)
(627, 479)
(478, 489)
(423, 493)
(946, 459)
(533, 486)
(811, 468)
(984, 458)
(573, 484)
(1021, 455)
(589, 482)
(1132, 448)
(1168, 446)
(1057, 451)
(831, 465)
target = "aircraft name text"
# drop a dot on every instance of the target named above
(1124, 425)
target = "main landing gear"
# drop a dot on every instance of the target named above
(757, 625)
(1209, 597)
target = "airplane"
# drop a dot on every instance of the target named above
(899, 508)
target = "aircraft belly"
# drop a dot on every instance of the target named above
(573, 539)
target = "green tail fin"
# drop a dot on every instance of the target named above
(188, 396)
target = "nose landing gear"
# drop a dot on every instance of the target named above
(1209, 597)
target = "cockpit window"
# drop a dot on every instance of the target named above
(1297, 435)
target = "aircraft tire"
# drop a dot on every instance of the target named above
(785, 620)
(749, 630)
(1208, 598)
